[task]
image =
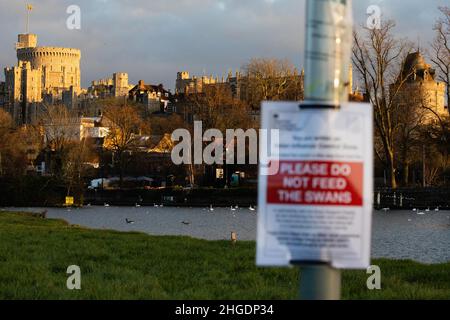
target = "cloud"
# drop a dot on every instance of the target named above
(152, 40)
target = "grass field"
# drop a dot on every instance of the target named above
(35, 254)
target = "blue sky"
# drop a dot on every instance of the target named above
(153, 39)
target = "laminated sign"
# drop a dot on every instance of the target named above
(315, 185)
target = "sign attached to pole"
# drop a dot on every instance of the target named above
(69, 201)
(317, 205)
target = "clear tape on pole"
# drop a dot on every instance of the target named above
(328, 50)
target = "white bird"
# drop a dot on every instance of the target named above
(137, 205)
(421, 213)
(414, 209)
(427, 210)
(233, 209)
(88, 205)
(437, 209)
(161, 205)
(251, 208)
(155, 205)
(211, 208)
(106, 204)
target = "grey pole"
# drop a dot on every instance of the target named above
(320, 282)
(327, 56)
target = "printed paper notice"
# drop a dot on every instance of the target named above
(317, 205)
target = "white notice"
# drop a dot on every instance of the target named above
(317, 204)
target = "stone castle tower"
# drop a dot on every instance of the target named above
(420, 87)
(41, 74)
(120, 84)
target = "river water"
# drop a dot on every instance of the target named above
(396, 234)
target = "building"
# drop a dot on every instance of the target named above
(419, 88)
(93, 128)
(121, 87)
(2, 94)
(240, 86)
(155, 98)
(186, 85)
(115, 87)
(42, 74)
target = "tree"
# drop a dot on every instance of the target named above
(161, 125)
(407, 136)
(60, 128)
(6, 125)
(376, 57)
(440, 47)
(217, 108)
(271, 79)
(124, 124)
(75, 168)
(18, 146)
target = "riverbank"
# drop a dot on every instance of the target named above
(35, 253)
(37, 191)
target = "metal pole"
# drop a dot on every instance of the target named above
(28, 18)
(327, 56)
(320, 282)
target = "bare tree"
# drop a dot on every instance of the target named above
(271, 79)
(440, 47)
(60, 128)
(75, 168)
(217, 108)
(124, 124)
(377, 57)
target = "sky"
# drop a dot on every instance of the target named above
(154, 39)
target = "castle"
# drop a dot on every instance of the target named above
(419, 88)
(117, 86)
(42, 75)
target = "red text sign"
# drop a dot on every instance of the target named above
(317, 183)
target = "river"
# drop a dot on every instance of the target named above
(396, 234)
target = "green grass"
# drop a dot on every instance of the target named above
(35, 254)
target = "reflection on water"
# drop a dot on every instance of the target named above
(407, 235)
(396, 234)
